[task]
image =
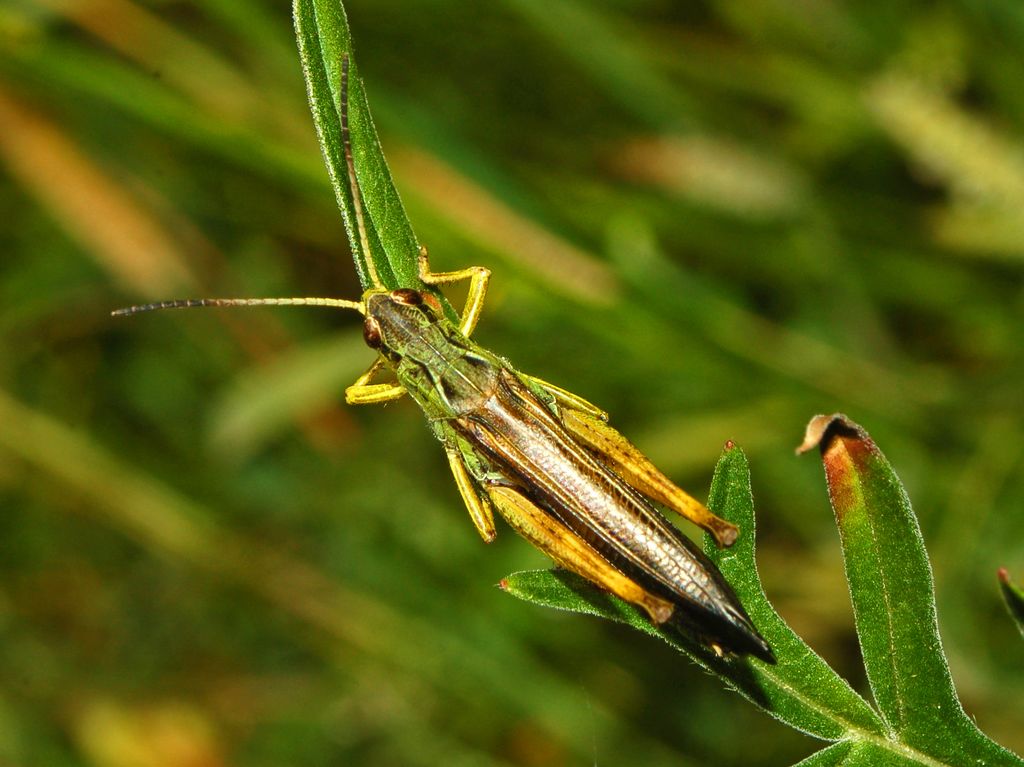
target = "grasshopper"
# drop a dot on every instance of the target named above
(544, 458)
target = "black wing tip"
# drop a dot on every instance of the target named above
(746, 637)
(748, 641)
(763, 651)
(728, 635)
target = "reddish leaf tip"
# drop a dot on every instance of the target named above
(1003, 575)
(729, 444)
(845, 452)
(503, 584)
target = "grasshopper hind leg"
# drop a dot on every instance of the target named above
(588, 423)
(638, 471)
(572, 552)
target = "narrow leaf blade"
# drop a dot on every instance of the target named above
(877, 755)
(832, 756)
(808, 689)
(801, 690)
(323, 36)
(893, 598)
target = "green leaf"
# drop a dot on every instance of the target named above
(806, 692)
(323, 36)
(828, 757)
(802, 690)
(1013, 595)
(857, 754)
(893, 598)
(852, 754)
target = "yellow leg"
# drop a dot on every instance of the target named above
(637, 469)
(569, 400)
(478, 277)
(479, 508)
(572, 552)
(362, 392)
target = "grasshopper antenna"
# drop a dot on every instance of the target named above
(190, 303)
(353, 184)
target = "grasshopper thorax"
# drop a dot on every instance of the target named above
(441, 369)
(398, 321)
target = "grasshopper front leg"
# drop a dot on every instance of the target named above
(362, 392)
(478, 277)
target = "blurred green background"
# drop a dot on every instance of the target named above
(713, 219)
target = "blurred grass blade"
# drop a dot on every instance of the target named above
(599, 45)
(108, 221)
(199, 72)
(565, 268)
(107, 85)
(324, 41)
(1013, 595)
(802, 690)
(978, 162)
(348, 625)
(893, 599)
(261, 403)
(713, 172)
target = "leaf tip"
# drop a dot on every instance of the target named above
(848, 454)
(503, 584)
(1004, 576)
(822, 430)
(729, 444)
(817, 432)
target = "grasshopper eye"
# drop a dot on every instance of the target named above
(407, 297)
(371, 333)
